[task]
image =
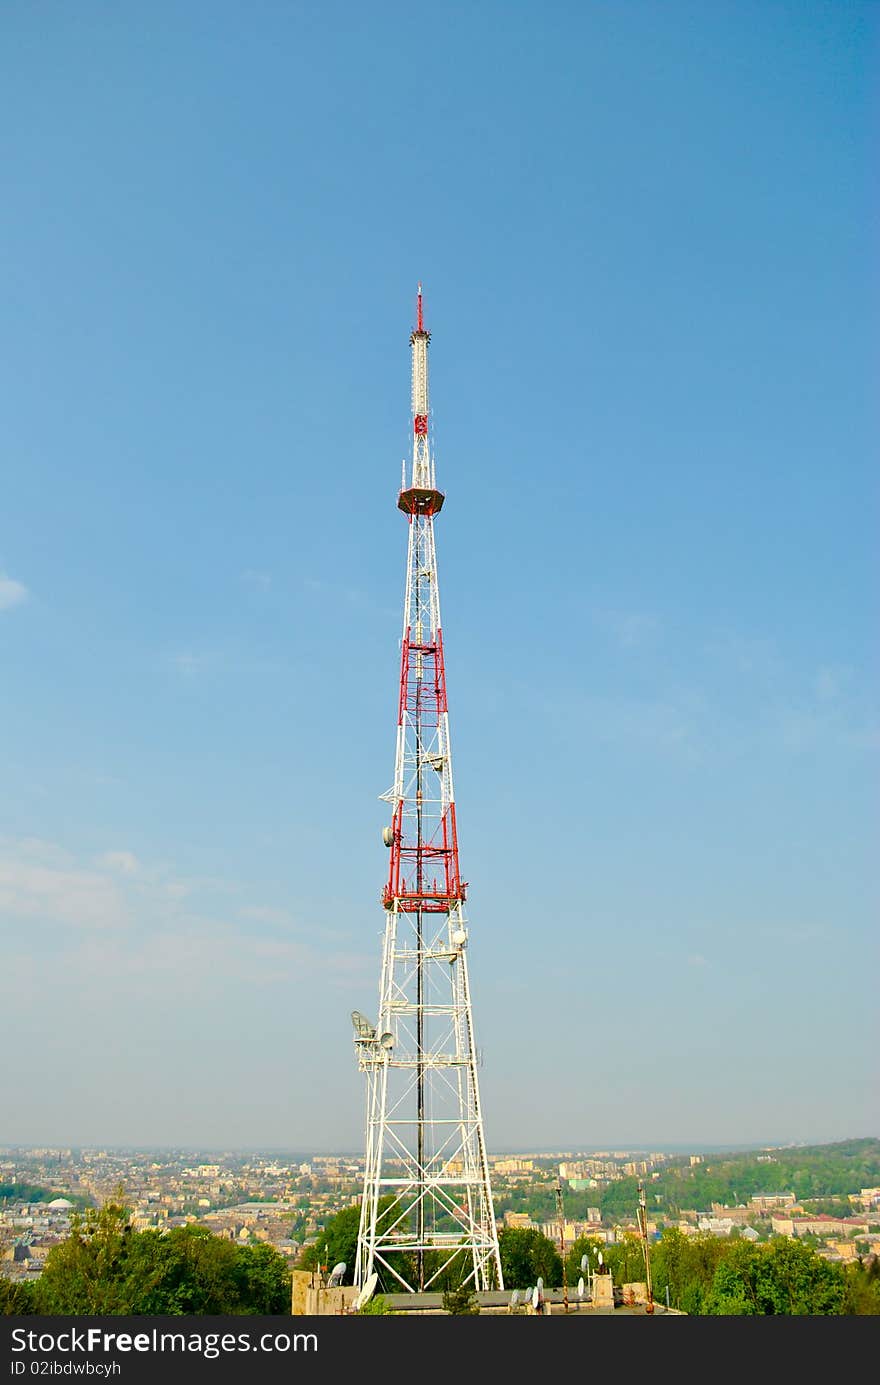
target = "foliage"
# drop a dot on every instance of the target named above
(584, 1245)
(671, 1265)
(461, 1301)
(863, 1287)
(827, 1206)
(618, 1201)
(105, 1267)
(537, 1200)
(374, 1307)
(526, 1255)
(32, 1192)
(782, 1277)
(710, 1275)
(338, 1242)
(732, 1292)
(15, 1298)
(809, 1172)
(626, 1259)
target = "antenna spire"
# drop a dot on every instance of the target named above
(425, 1145)
(422, 463)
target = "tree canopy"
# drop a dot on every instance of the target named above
(526, 1255)
(105, 1267)
(710, 1275)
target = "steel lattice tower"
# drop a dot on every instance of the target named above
(425, 1145)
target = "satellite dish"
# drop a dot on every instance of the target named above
(337, 1272)
(539, 1283)
(388, 835)
(514, 1298)
(585, 1260)
(364, 1031)
(536, 1296)
(459, 937)
(600, 1257)
(581, 1287)
(386, 1040)
(366, 1292)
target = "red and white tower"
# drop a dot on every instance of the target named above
(427, 1208)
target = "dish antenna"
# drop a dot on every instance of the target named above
(386, 1040)
(364, 1031)
(366, 1292)
(536, 1296)
(388, 835)
(585, 1260)
(514, 1298)
(581, 1287)
(336, 1274)
(600, 1257)
(539, 1283)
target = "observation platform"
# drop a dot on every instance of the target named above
(420, 500)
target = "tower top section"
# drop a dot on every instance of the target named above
(421, 497)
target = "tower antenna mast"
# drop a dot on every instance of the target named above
(643, 1232)
(427, 1201)
(560, 1217)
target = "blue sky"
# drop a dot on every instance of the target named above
(647, 239)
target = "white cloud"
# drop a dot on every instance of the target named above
(751, 657)
(81, 898)
(188, 664)
(261, 581)
(262, 914)
(629, 629)
(12, 593)
(830, 682)
(633, 722)
(125, 918)
(120, 862)
(801, 728)
(868, 738)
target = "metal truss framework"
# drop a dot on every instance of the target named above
(427, 1202)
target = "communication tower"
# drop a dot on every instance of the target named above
(427, 1203)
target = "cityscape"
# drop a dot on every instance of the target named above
(644, 902)
(284, 1201)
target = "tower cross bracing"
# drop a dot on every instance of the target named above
(427, 1212)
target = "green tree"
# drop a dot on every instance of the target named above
(262, 1280)
(783, 1277)
(584, 1245)
(794, 1280)
(377, 1306)
(15, 1298)
(626, 1259)
(338, 1242)
(447, 1272)
(619, 1200)
(863, 1287)
(732, 1292)
(89, 1272)
(106, 1268)
(526, 1255)
(462, 1301)
(669, 1265)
